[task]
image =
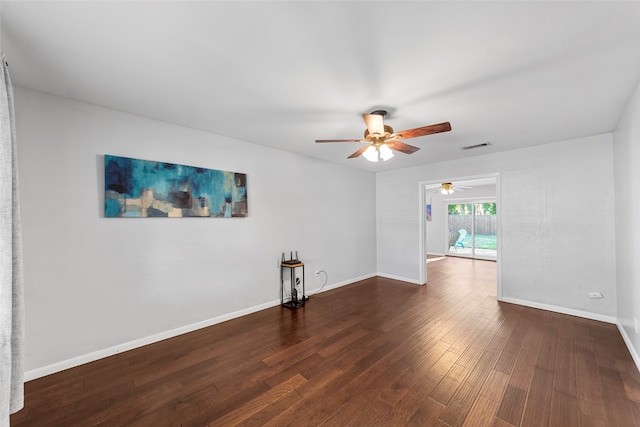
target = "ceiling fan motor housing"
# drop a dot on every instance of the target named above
(388, 130)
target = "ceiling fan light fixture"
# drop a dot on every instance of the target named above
(385, 152)
(371, 154)
(447, 188)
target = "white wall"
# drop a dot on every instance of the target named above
(626, 158)
(557, 220)
(92, 283)
(435, 229)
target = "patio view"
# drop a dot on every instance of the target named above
(472, 230)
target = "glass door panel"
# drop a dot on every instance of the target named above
(484, 231)
(472, 230)
(460, 224)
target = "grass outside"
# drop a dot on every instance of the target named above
(482, 241)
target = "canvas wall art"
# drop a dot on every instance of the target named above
(142, 188)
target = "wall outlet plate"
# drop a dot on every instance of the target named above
(594, 294)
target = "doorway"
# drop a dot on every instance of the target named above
(481, 197)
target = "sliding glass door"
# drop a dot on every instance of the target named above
(472, 229)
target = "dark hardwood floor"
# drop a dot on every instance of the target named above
(377, 352)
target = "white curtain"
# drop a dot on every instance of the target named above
(11, 290)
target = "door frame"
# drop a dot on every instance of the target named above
(422, 240)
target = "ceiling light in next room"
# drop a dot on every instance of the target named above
(447, 188)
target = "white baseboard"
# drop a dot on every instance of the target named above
(562, 310)
(627, 341)
(130, 345)
(404, 279)
(583, 314)
(339, 284)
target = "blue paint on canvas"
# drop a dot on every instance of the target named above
(143, 188)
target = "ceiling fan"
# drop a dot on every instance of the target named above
(383, 141)
(447, 188)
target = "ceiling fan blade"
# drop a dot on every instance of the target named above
(425, 130)
(374, 123)
(358, 153)
(402, 147)
(339, 140)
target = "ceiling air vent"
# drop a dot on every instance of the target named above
(471, 147)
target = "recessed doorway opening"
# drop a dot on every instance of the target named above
(464, 223)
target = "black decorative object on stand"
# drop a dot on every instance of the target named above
(295, 299)
(291, 260)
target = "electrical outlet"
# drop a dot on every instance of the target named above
(594, 294)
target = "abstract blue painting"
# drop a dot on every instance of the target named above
(142, 188)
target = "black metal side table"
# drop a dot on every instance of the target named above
(295, 300)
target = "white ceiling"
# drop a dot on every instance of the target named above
(283, 74)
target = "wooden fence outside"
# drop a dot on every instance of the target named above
(485, 224)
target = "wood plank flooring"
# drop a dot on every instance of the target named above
(375, 353)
